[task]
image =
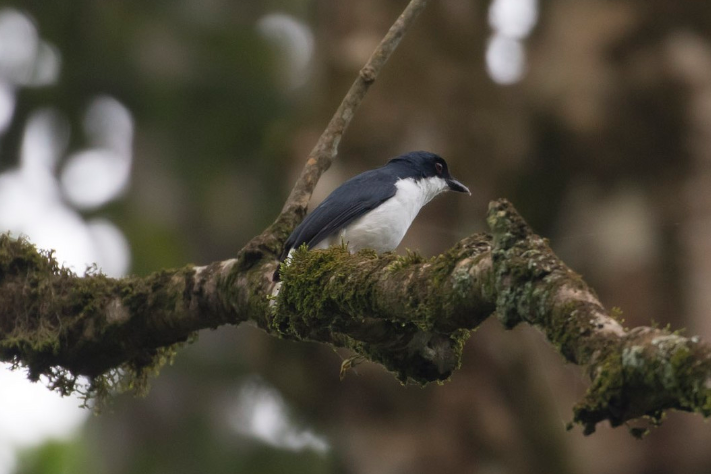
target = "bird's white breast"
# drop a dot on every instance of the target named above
(383, 228)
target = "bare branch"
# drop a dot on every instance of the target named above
(326, 149)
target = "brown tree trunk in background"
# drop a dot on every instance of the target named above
(598, 132)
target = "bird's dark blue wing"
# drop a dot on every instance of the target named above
(348, 202)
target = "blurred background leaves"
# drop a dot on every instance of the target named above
(171, 132)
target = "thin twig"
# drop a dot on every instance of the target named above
(269, 243)
(320, 158)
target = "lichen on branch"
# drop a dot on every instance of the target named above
(635, 373)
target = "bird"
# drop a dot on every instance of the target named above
(374, 209)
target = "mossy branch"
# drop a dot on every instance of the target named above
(269, 242)
(63, 326)
(635, 373)
(410, 314)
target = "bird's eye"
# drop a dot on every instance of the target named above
(438, 168)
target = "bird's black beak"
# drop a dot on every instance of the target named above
(455, 185)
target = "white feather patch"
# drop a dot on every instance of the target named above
(383, 228)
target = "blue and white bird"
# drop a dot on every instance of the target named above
(374, 209)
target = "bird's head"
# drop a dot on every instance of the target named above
(423, 164)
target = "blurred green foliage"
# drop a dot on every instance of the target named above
(57, 457)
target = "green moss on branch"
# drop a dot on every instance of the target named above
(410, 314)
(634, 373)
(649, 372)
(64, 327)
